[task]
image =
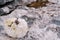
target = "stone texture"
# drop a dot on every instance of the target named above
(43, 22)
(4, 1)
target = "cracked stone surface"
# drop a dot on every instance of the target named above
(43, 22)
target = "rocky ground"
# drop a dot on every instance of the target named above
(43, 22)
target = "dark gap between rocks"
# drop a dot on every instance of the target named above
(9, 12)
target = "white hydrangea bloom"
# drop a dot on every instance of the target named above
(16, 28)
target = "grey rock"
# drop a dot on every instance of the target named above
(58, 29)
(28, 19)
(41, 28)
(56, 20)
(1, 12)
(4, 10)
(1, 28)
(58, 34)
(4, 1)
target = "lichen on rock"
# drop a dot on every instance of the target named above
(15, 30)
